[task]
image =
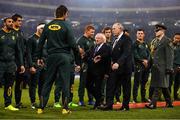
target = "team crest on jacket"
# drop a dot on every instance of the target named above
(54, 27)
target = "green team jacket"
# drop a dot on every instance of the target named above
(59, 36)
(32, 50)
(141, 51)
(10, 47)
(86, 44)
(20, 36)
(177, 55)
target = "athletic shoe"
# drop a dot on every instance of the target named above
(33, 105)
(71, 104)
(66, 111)
(39, 111)
(10, 107)
(57, 105)
(81, 103)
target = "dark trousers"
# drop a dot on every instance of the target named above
(82, 83)
(8, 83)
(140, 78)
(176, 78)
(151, 90)
(57, 64)
(58, 89)
(118, 92)
(20, 78)
(125, 80)
(103, 90)
(70, 89)
(7, 76)
(94, 85)
(36, 79)
(41, 80)
(166, 95)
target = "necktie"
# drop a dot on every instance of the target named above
(96, 49)
(115, 42)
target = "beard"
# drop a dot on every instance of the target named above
(9, 27)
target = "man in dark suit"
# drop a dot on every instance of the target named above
(98, 65)
(121, 68)
(162, 66)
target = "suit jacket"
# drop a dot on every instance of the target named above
(162, 61)
(122, 54)
(103, 66)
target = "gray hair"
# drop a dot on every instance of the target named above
(120, 25)
(102, 35)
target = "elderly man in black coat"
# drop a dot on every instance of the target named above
(121, 68)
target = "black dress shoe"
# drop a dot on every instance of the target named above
(106, 107)
(150, 106)
(123, 108)
(169, 106)
(96, 107)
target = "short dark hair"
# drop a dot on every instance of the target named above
(61, 11)
(41, 24)
(140, 29)
(4, 19)
(176, 34)
(16, 16)
(106, 28)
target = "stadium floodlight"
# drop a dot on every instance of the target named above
(177, 23)
(152, 23)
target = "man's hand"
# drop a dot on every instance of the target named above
(77, 68)
(22, 69)
(97, 59)
(145, 63)
(115, 66)
(40, 62)
(106, 77)
(33, 70)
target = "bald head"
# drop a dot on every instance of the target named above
(117, 29)
(100, 38)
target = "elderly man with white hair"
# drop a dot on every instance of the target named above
(121, 68)
(98, 59)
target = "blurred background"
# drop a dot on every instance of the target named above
(133, 14)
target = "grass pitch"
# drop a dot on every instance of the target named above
(83, 112)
